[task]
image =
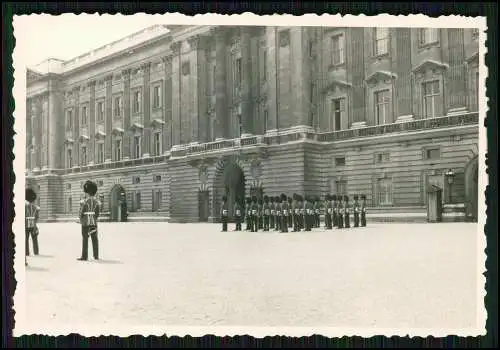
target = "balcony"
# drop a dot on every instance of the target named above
(259, 143)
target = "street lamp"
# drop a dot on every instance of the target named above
(450, 175)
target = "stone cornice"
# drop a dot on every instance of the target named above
(92, 83)
(146, 66)
(126, 72)
(195, 42)
(108, 78)
(167, 59)
(380, 76)
(429, 64)
(176, 47)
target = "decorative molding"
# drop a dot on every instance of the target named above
(92, 83)
(167, 59)
(126, 72)
(83, 138)
(108, 78)
(378, 76)
(117, 131)
(100, 135)
(146, 67)
(336, 84)
(195, 42)
(429, 64)
(176, 47)
(69, 141)
(136, 127)
(157, 123)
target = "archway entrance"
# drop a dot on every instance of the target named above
(232, 185)
(117, 203)
(471, 188)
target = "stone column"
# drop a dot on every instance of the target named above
(108, 142)
(167, 103)
(221, 109)
(357, 64)
(126, 113)
(176, 93)
(55, 128)
(76, 126)
(38, 133)
(146, 139)
(91, 152)
(194, 84)
(403, 83)
(457, 89)
(272, 79)
(247, 102)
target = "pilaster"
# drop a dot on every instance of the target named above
(109, 118)
(196, 85)
(221, 110)
(176, 93)
(403, 84)
(146, 139)
(271, 44)
(247, 101)
(91, 153)
(76, 124)
(167, 94)
(126, 113)
(457, 71)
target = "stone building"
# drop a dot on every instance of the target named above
(177, 117)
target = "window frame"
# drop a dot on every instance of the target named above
(422, 37)
(137, 92)
(386, 102)
(376, 40)
(386, 183)
(436, 105)
(340, 50)
(342, 100)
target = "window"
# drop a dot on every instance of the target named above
(69, 120)
(432, 99)
(266, 118)
(381, 41)
(382, 105)
(382, 157)
(69, 209)
(156, 200)
(84, 116)
(100, 153)
(100, 111)
(68, 187)
(428, 36)
(238, 73)
(117, 152)
(157, 144)
(84, 155)
(157, 178)
(137, 147)
(432, 153)
(338, 49)
(136, 101)
(341, 187)
(136, 201)
(384, 192)
(157, 96)
(338, 110)
(117, 106)
(136, 180)
(69, 158)
(100, 183)
(240, 124)
(339, 161)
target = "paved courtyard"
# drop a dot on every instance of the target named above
(384, 276)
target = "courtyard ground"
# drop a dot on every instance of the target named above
(383, 276)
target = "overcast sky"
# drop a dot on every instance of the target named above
(42, 36)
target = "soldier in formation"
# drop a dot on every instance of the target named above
(298, 213)
(89, 214)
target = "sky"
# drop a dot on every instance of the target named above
(39, 37)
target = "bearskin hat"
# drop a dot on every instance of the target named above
(90, 188)
(356, 197)
(30, 195)
(266, 199)
(363, 197)
(271, 199)
(346, 198)
(283, 197)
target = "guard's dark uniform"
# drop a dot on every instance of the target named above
(272, 216)
(347, 213)
(302, 213)
(254, 222)
(328, 212)
(355, 207)
(31, 212)
(260, 214)
(277, 208)
(89, 214)
(290, 213)
(266, 213)
(317, 213)
(248, 213)
(309, 212)
(340, 216)
(296, 212)
(224, 214)
(335, 213)
(238, 214)
(363, 210)
(285, 210)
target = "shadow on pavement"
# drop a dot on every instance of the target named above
(43, 256)
(110, 262)
(36, 268)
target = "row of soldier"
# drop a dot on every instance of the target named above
(295, 212)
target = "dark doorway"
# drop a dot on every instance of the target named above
(117, 203)
(203, 200)
(233, 187)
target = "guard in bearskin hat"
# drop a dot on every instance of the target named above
(347, 212)
(335, 211)
(238, 214)
(254, 215)
(272, 209)
(277, 207)
(309, 213)
(340, 212)
(317, 212)
(355, 207)
(224, 213)
(267, 213)
(301, 213)
(295, 212)
(290, 212)
(363, 210)
(260, 213)
(31, 215)
(248, 213)
(328, 212)
(285, 209)
(89, 214)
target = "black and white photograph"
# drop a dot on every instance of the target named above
(245, 174)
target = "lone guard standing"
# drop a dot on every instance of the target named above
(328, 212)
(224, 214)
(31, 212)
(273, 212)
(238, 214)
(356, 210)
(267, 213)
(363, 210)
(89, 214)
(340, 216)
(347, 215)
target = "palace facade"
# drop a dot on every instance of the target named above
(176, 117)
